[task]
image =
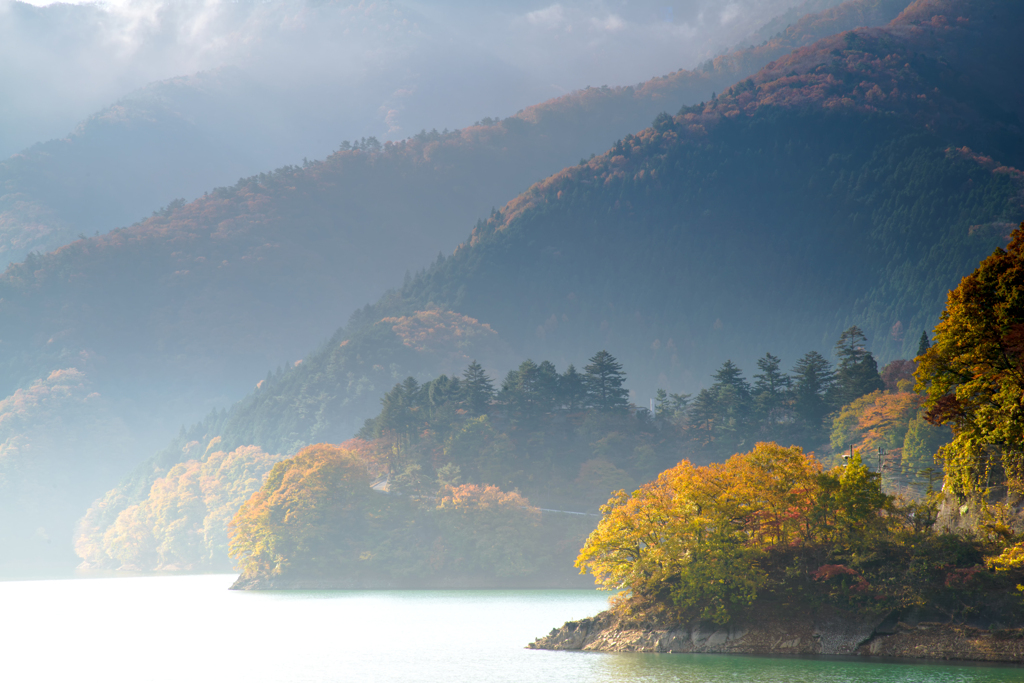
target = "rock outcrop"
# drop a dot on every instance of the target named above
(798, 634)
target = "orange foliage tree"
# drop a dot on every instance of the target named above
(182, 521)
(706, 534)
(314, 509)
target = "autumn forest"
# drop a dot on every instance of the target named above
(740, 339)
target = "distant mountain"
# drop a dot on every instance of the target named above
(277, 86)
(169, 317)
(852, 181)
(306, 246)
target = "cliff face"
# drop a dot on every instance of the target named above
(800, 634)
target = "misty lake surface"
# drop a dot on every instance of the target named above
(191, 628)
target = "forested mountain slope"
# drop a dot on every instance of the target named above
(179, 137)
(187, 294)
(834, 187)
(852, 181)
(159, 322)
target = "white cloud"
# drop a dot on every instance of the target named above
(549, 17)
(730, 12)
(611, 23)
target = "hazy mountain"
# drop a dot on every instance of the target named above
(853, 181)
(329, 236)
(286, 80)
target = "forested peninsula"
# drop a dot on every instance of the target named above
(768, 552)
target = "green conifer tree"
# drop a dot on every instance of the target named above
(477, 389)
(572, 393)
(857, 370)
(734, 405)
(603, 381)
(771, 389)
(813, 379)
(922, 346)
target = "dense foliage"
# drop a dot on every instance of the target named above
(834, 187)
(974, 375)
(182, 523)
(891, 430)
(566, 439)
(316, 516)
(770, 526)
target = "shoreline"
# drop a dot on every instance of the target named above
(459, 583)
(899, 636)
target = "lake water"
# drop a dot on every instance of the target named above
(191, 628)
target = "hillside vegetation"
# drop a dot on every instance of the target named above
(186, 310)
(102, 176)
(771, 529)
(565, 439)
(303, 247)
(795, 204)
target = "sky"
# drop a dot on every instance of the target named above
(404, 64)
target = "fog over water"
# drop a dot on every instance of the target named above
(329, 71)
(178, 628)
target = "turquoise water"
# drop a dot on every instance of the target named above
(191, 628)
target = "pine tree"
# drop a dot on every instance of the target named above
(732, 398)
(670, 406)
(771, 388)
(661, 407)
(922, 346)
(572, 393)
(857, 371)
(702, 417)
(603, 381)
(547, 386)
(813, 380)
(477, 389)
(529, 390)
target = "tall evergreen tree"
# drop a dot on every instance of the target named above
(442, 390)
(517, 390)
(703, 416)
(771, 390)
(530, 391)
(734, 404)
(477, 389)
(922, 346)
(400, 413)
(572, 393)
(857, 371)
(670, 406)
(813, 379)
(603, 381)
(547, 386)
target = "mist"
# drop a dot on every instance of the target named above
(119, 109)
(341, 70)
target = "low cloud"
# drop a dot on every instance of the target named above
(461, 61)
(549, 17)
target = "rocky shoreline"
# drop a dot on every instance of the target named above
(892, 635)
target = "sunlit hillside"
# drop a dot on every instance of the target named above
(834, 188)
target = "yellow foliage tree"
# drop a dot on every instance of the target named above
(974, 375)
(703, 530)
(312, 513)
(182, 522)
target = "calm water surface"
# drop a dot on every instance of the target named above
(191, 628)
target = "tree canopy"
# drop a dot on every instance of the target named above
(770, 525)
(973, 374)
